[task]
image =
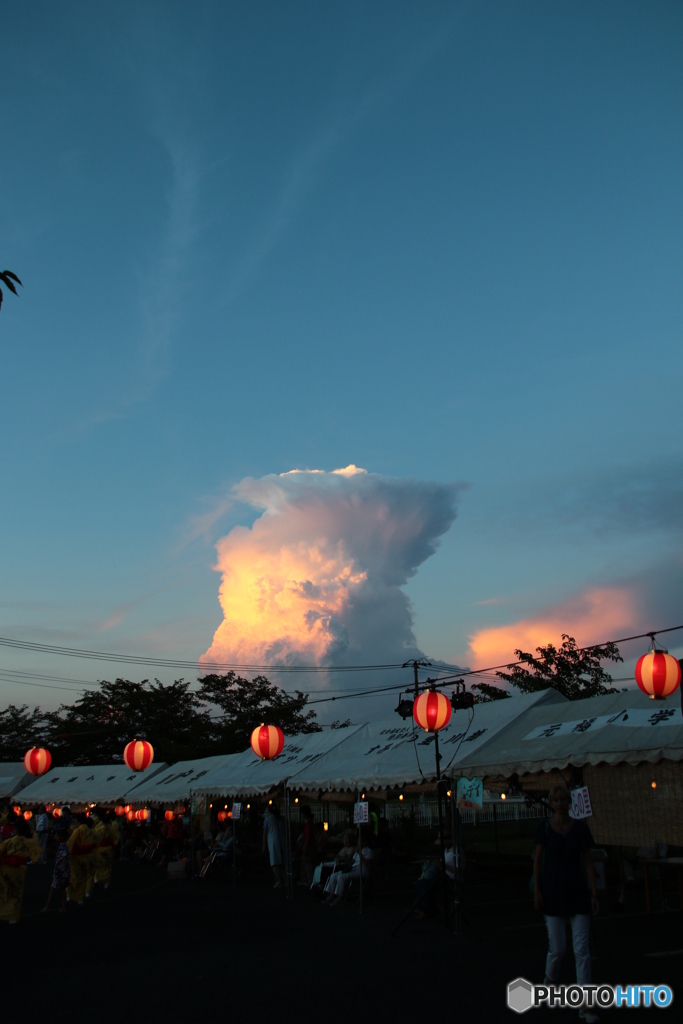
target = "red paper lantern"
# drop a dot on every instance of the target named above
(658, 674)
(130, 815)
(432, 710)
(17, 809)
(143, 814)
(119, 810)
(222, 815)
(37, 760)
(169, 815)
(28, 815)
(138, 755)
(57, 812)
(267, 741)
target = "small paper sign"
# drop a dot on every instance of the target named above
(236, 811)
(361, 812)
(199, 805)
(469, 794)
(581, 803)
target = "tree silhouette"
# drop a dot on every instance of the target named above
(8, 279)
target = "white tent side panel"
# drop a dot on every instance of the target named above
(13, 778)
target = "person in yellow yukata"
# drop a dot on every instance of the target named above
(81, 847)
(107, 833)
(15, 853)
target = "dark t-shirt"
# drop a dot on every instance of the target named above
(564, 885)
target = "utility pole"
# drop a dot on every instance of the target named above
(417, 663)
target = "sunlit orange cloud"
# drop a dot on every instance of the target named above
(321, 569)
(596, 615)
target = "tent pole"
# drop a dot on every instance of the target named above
(288, 844)
(191, 838)
(441, 833)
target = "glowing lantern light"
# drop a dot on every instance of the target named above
(28, 815)
(169, 815)
(130, 815)
(49, 808)
(223, 815)
(658, 674)
(138, 755)
(267, 741)
(57, 812)
(119, 810)
(17, 809)
(128, 807)
(653, 784)
(432, 710)
(143, 814)
(37, 760)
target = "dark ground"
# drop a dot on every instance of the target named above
(181, 950)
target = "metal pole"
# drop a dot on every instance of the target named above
(360, 864)
(191, 839)
(288, 845)
(441, 834)
(495, 825)
(234, 846)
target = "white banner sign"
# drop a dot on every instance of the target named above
(236, 811)
(581, 803)
(635, 718)
(361, 812)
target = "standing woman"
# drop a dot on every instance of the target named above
(273, 842)
(15, 853)
(564, 888)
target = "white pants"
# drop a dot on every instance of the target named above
(336, 883)
(557, 943)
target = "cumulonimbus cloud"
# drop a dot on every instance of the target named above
(317, 578)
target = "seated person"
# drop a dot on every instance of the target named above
(362, 860)
(342, 862)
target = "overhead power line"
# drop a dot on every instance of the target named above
(444, 680)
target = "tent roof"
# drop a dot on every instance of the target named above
(85, 784)
(625, 727)
(382, 755)
(174, 783)
(13, 777)
(246, 775)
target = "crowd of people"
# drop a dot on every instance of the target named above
(84, 847)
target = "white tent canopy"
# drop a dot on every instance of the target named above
(246, 775)
(389, 754)
(13, 778)
(174, 784)
(89, 784)
(625, 727)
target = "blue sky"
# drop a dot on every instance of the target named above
(440, 242)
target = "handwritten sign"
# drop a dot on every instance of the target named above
(361, 814)
(469, 794)
(236, 811)
(581, 803)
